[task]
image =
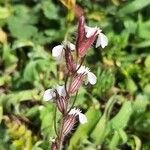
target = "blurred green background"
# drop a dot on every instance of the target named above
(117, 107)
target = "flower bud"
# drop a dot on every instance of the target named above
(80, 32)
(76, 83)
(69, 60)
(60, 103)
(70, 121)
(85, 44)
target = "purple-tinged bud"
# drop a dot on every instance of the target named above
(70, 121)
(61, 103)
(85, 44)
(69, 60)
(76, 83)
(80, 32)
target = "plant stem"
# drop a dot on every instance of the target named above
(61, 136)
(55, 121)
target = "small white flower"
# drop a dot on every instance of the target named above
(82, 117)
(90, 31)
(58, 51)
(90, 76)
(50, 93)
(102, 39)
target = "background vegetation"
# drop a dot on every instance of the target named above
(118, 107)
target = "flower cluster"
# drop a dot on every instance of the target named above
(76, 76)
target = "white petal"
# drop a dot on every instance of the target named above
(81, 69)
(91, 78)
(82, 118)
(102, 40)
(59, 60)
(90, 31)
(72, 111)
(71, 46)
(48, 94)
(61, 90)
(57, 51)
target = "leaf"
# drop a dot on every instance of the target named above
(22, 43)
(49, 10)
(4, 12)
(143, 44)
(114, 141)
(138, 143)
(147, 89)
(121, 119)
(47, 120)
(147, 61)
(9, 59)
(131, 85)
(142, 124)
(32, 69)
(133, 7)
(140, 104)
(1, 113)
(3, 36)
(21, 29)
(21, 23)
(5, 80)
(101, 127)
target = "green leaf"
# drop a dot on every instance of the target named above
(138, 143)
(147, 61)
(50, 10)
(143, 44)
(101, 127)
(140, 103)
(20, 29)
(47, 121)
(4, 12)
(21, 23)
(131, 85)
(133, 7)
(22, 43)
(1, 113)
(142, 124)
(121, 119)
(114, 141)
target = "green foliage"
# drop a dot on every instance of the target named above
(117, 107)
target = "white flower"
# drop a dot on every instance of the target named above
(90, 76)
(58, 51)
(102, 39)
(50, 93)
(82, 117)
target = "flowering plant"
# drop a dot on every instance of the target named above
(76, 76)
